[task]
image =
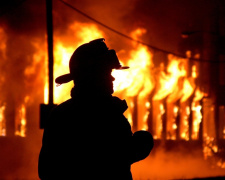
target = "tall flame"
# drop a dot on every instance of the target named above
(137, 79)
(78, 34)
(137, 82)
(167, 82)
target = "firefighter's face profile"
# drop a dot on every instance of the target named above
(103, 81)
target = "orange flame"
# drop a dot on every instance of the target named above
(197, 115)
(20, 119)
(167, 83)
(78, 34)
(136, 81)
(3, 39)
(2, 121)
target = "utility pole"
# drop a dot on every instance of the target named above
(46, 108)
(50, 49)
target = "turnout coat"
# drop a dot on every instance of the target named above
(87, 137)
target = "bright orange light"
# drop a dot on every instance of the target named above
(167, 82)
(188, 89)
(138, 80)
(78, 33)
(3, 39)
(21, 121)
(2, 121)
(135, 80)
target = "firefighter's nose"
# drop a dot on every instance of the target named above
(112, 78)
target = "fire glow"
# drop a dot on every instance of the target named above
(155, 95)
(138, 83)
(152, 93)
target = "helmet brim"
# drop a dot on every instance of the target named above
(64, 79)
(122, 67)
(68, 77)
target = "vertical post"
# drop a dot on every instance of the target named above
(50, 48)
(190, 119)
(10, 114)
(164, 119)
(46, 108)
(201, 124)
(178, 120)
(135, 114)
(150, 117)
(210, 52)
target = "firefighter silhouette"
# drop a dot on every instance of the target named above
(87, 136)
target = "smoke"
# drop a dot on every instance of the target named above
(22, 26)
(179, 162)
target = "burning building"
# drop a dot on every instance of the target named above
(178, 97)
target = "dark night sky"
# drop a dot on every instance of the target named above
(163, 19)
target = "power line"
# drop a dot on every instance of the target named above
(132, 39)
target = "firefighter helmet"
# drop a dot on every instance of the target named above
(88, 57)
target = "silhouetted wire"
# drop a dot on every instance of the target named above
(132, 39)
